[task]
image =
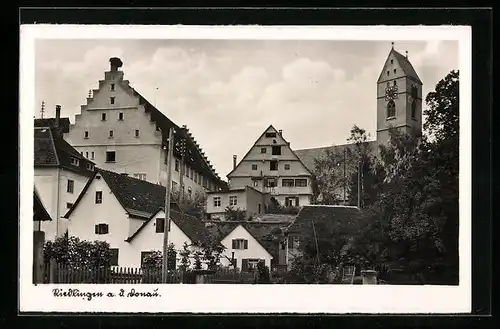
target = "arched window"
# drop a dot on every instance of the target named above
(391, 109)
(414, 109)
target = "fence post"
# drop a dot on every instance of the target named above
(52, 270)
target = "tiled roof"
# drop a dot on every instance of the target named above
(405, 64)
(193, 227)
(307, 156)
(322, 214)
(51, 122)
(50, 149)
(39, 211)
(138, 197)
(192, 156)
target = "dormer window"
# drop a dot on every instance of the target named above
(75, 161)
(112, 87)
(112, 100)
(90, 166)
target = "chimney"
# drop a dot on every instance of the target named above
(58, 115)
(115, 63)
(234, 161)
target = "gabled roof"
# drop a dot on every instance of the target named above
(323, 213)
(405, 65)
(307, 156)
(191, 226)
(39, 211)
(51, 123)
(50, 149)
(139, 198)
(260, 231)
(250, 149)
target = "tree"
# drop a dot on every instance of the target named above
(197, 260)
(185, 257)
(414, 223)
(329, 178)
(194, 206)
(274, 207)
(212, 252)
(235, 214)
(154, 260)
(76, 253)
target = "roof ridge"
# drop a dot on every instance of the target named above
(54, 146)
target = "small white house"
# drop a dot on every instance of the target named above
(128, 214)
(246, 249)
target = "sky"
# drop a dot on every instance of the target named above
(229, 91)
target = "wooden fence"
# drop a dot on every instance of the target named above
(63, 274)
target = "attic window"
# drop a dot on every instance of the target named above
(392, 61)
(394, 71)
(112, 100)
(98, 197)
(101, 229)
(270, 135)
(160, 225)
(112, 87)
(240, 244)
(75, 161)
(90, 166)
(263, 150)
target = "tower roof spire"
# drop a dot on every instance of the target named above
(392, 44)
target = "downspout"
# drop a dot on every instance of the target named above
(58, 199)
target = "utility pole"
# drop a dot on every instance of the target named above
(167, 204)
(359, 184)
(345, 181)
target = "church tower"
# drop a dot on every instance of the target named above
(399, 98)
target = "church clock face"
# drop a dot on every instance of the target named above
(391, 92)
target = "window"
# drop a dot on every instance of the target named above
(103, 116)
(137, 133)
(287, 166)
(233, 200)
(392, 61)
(160, 225)
(271, 182)
(120, 116)
(292, 201)
(216, 201)
(75, 161)
(86, 155)
(81, 153)
(255, 183)
(69, 205)
(276, 150)
(270, 135)
(301, 182)
(112, 87)
(101, 229)
(394, 71)
(90, 166)
(391, 109)
(387, 73)
(98, 197)
(112, 100)
(240, 244)
(273, 165)
(71, 185)
(252, 263)
(394, 83)
(92, 155)
(113, 260)
(110, 156)
(140, 176)
(111, 134)
(254, 167)
(191, 173)
(413, 109)
(86, 134)
(176, 165)
(288, 183)
(190, 192)
(260, 206)
(263, 150)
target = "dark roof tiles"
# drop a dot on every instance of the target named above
(64, 123)
(39, 211)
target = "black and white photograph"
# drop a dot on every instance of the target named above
(279, 164)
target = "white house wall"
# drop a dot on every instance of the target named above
(56, 198)
(254, 251)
